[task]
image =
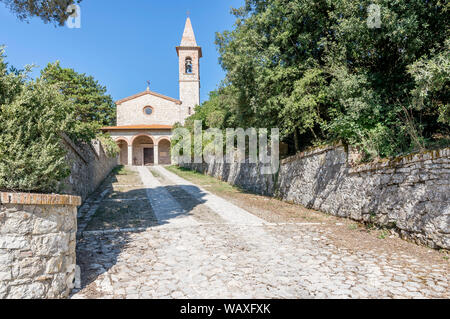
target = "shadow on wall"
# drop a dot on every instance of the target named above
(89, 166)
(409, 193)
(98, 252)
(328, 178)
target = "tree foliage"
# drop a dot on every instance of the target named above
(49, 11)
(33, 116)
(93, 107)
(318, 72)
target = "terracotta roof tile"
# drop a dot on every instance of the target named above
(139, 127)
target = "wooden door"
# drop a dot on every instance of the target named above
(148, 156)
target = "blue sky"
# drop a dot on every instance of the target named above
(123, 43)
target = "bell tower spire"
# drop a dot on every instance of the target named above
(189, 54)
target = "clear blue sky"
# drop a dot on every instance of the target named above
(123, 43)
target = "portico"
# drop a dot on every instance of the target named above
(142, 146)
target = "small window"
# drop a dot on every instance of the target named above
(190, 110)
(148, 110)
(188, 65)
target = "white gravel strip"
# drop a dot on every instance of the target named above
(166, 208)
(228, 211)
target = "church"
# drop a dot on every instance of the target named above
(145, 120)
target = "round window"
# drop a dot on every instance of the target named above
(148, 110)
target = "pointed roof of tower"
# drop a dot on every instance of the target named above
(188, 39)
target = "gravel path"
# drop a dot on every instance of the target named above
(205, 247)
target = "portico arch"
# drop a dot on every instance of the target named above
(134, 138)
(122, 143)
(164, 157)
(143, 146)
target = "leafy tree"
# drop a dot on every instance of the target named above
(432, 78)
(109, 145)
(320, 73)
(49, 11)
(217, 112)
(33, 114)
(11, 82)
(93, 107)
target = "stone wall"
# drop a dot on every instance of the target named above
(166, 111)
(410, 193)
(89, 166)
(37, 245)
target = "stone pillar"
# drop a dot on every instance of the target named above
(156, 154)
(130, 155)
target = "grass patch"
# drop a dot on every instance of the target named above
(154, 173)
(122, 170)
(208, 182)
(383, 234)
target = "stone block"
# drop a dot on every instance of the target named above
(14, 242)
(33, 290)
(37, 245)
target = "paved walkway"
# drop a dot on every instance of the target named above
(203, 246)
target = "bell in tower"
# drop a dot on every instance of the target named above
(189, 54)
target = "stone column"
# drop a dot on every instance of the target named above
(155, 154)
(130, 155)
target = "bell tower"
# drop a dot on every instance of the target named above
(189, 55)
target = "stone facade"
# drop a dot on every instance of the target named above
(410, 193)
(89, 166)
(165, 110)
(135, 141)
(37, 245)
(152, 115)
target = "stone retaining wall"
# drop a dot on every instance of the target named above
(90, 165)
(410, 193)
(37, 245)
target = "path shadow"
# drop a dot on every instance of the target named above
(119, 217)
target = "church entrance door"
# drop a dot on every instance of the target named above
(148, 156)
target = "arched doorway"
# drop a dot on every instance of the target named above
(143, 148)
(164, 152)
(123, 152)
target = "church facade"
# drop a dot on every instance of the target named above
(145, 120)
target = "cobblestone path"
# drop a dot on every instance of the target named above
(180, 241)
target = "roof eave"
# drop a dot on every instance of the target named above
(119, 128)
(135, 96)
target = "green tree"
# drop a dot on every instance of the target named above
(93, 107)
(320, 73)
(33, 114)
(432, 89)
(49, 11)
(217, 112)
